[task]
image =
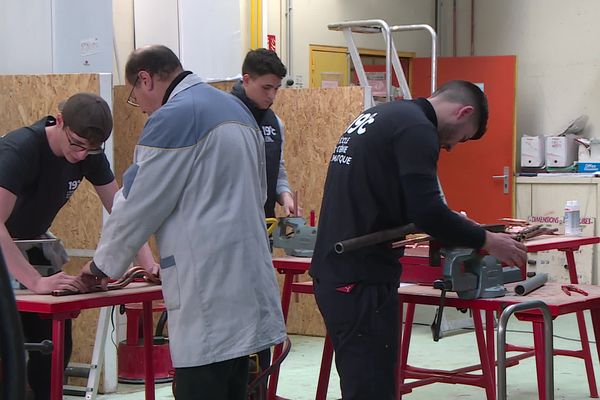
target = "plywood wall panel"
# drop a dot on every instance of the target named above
(314, 121)
(129, 123)
(226, 86)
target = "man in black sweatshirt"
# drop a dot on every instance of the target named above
(383, 174)
(262, 72)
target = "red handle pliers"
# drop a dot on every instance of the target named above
(572, 288)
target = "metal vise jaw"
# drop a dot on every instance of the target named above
(295, 237)
(474, 276)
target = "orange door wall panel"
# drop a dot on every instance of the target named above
(467, 171)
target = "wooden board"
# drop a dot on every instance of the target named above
(128, 125)
(314, 121)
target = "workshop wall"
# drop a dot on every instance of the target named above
(558, 58)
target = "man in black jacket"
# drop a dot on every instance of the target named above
(383, 174)
(262, 72)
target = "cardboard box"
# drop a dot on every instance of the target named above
(561, 151)
(532, 151)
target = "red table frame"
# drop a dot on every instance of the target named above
(416, 268)
(558, 304)
(67, 307)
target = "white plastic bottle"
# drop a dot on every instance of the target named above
(572, 227)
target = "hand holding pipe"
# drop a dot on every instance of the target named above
(390, 235)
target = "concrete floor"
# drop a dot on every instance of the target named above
(300, 370)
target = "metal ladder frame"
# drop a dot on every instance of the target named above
(391, 58)
(548, 346)
(90, 391)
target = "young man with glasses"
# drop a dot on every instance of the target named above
(41, 166)
(198, 183)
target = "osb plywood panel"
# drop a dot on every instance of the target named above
(225, 86)
(128, 125)
(314, 121)
(25, 99)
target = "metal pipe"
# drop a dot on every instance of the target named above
(548, 347)
(288, 34)
(529, 285)
(374, 238)
(472, 27)
(454, 28)
(428, 28)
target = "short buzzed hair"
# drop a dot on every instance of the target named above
(156, 60)
(468, 94)
(261, 62)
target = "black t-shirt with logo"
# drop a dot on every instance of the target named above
(382, 175)
(41, 181)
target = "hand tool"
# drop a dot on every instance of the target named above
(572, 288)
(533, 231)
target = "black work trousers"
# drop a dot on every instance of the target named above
(363, 327)
(39, 366)
(225, 380)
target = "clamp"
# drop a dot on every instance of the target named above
(572, 288)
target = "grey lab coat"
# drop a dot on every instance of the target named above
(198, 183)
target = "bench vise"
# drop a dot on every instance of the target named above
(472, 275)
(294, 236)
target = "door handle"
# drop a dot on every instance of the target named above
(504, 178)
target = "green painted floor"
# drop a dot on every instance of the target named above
(300, 370)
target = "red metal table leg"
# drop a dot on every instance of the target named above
(572, 267)
(404, 345)
(286, 295)
(325, 370)
(490, 387)
(490, 342)
(587, 355)
(596, 324)
(58, 358)
(540, 357)
(585, 345)
(148, 343)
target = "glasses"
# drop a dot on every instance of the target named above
(131, 100)
(80, 147)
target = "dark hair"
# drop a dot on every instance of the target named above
(88, 115)
(156, 60)
(261, 62)
(469, 94)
